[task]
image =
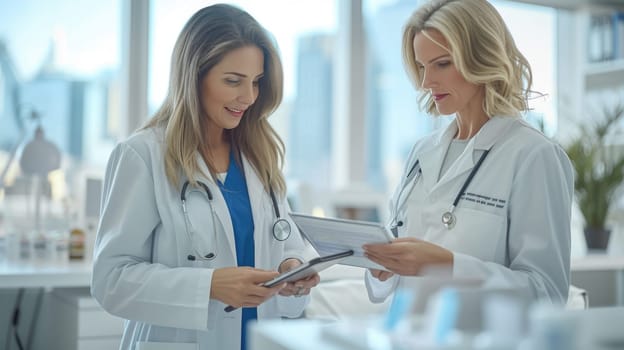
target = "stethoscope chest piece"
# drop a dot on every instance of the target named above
(281, 229)
(448, 220)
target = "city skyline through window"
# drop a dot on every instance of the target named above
(62, 46)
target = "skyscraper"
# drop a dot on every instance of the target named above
(309, 148)
(10, 118)
(396, 113)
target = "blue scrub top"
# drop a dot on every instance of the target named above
(236, 196)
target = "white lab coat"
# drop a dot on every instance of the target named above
(141, 272)
(513, 224)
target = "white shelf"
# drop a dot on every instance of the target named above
(605, 67)
(598, 262)
(604, 74)
(46, 275)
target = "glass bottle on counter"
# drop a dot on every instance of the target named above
(77, 241)
(76, 244)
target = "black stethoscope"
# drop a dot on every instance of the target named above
(281, 226)
(448, 218)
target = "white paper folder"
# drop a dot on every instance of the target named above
(332, 235)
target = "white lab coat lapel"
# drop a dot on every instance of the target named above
(483, 140)
(431, 157)
(220, 207)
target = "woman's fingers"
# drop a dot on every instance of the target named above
(381, 275)
(408, 255)
(301, 287)
(241, 286)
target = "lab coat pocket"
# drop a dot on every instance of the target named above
(217, 314)
(215, 308)
(477, 233)
(165, 346)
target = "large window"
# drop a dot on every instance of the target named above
(541, 54)
(59, 69)
(305, 33)
(60, 61)
(307, 36)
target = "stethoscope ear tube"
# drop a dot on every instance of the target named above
(274, 201)
(448, 218)
(281, 228)
(189, 226)
(412, 176)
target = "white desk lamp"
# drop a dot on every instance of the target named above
(15, 151)
(39, 157)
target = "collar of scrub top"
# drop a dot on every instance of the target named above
(281, 227)
(432, 155)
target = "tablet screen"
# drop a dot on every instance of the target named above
(331, 235)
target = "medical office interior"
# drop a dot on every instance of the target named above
(78, 76)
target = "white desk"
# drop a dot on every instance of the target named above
(604, 262)
(597, 329)
(15, 275)
(69, 309)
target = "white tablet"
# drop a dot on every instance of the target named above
(304, 270)
(331, 235)
(309, 268)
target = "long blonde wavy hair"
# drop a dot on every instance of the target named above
(206, 38)
(482, 50)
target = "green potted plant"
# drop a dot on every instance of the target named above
(599, 171)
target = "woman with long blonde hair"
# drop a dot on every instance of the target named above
(487, 198)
